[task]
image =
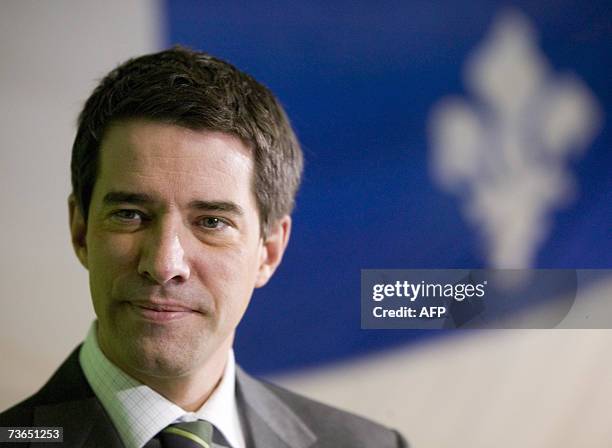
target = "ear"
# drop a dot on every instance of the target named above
(78, 230)
(273, 249)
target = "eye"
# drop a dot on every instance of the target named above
(127, 215)
(212, 222)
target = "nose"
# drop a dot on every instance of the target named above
(163, 259)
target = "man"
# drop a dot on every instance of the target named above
(184, 174)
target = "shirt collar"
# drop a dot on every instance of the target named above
(138, 412)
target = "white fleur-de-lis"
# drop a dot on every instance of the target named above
(506, 153)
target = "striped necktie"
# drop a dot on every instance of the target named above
(196, 434)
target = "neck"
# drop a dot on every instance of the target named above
(191, 391)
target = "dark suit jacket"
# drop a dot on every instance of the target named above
(274, 417)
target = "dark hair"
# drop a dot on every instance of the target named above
(197, 91)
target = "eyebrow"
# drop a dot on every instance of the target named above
(122, 197)
(217, 206)
(118, 197)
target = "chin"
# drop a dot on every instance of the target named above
(161, 354)
(161, 362)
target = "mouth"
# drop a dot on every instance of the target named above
(161, 311)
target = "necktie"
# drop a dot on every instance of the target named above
(196, 434)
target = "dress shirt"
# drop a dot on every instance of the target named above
(139, 413)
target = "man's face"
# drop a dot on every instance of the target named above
(172, 245)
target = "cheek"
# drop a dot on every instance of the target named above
(110, 258)
(112, 248)
(230, 278)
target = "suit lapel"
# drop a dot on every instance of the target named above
(271, 423)
(68, 401)
(84, 421)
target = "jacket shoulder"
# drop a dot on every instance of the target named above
(22, 414)
(334, 426)
(66, 384)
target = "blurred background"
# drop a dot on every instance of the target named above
(447, 134)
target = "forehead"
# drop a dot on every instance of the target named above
(165, 159)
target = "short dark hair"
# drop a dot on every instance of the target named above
(197, 91)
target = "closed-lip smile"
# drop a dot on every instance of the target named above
(161, 311)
